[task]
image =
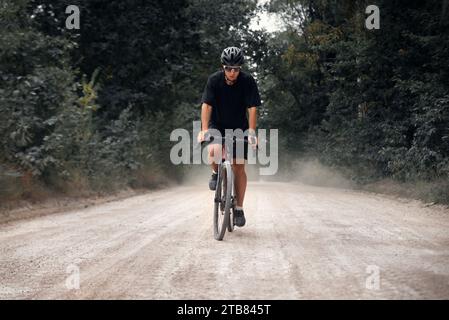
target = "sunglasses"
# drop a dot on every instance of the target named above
(229, 69)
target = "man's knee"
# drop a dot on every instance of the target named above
(215, 152)
(238, 169)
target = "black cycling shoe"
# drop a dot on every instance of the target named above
(239, 218)
(213, 181)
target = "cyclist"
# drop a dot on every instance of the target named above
(230, 94)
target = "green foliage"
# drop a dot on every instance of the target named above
(36, 84)
(92, 109)
(371, 103)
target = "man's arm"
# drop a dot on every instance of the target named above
(206, 111)
(252, 119)
(252, 122)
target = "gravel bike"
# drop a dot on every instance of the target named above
(225, 199)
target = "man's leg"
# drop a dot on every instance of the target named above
(214, 155)
(240, 182)
(214, 159)
(240, 188)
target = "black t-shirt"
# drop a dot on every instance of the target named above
(230, 102)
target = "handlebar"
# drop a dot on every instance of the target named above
(208, 136)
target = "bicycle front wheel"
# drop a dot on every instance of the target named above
(222, 206)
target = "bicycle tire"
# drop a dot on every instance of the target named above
(231, 221)
(222, 202)
(231, 212)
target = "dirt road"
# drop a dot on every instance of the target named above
(300, 242)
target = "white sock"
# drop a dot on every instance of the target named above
(238, 208)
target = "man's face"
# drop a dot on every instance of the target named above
(232, 72)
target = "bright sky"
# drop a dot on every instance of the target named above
(268, 21)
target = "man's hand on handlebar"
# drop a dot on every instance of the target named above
(252, 139)
(202, 136)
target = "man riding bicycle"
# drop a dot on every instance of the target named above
(230, 94)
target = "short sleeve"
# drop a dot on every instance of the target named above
(209, 93)
(252, 95)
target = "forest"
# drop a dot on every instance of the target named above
(90, 110)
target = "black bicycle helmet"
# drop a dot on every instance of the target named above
(232, 56)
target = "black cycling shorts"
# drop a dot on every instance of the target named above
(236, 152)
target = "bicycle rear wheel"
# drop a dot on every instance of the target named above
(222, 205)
